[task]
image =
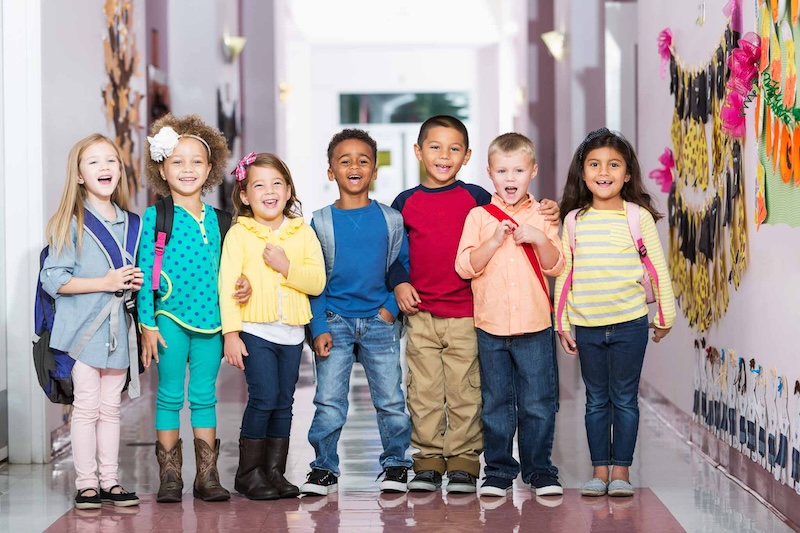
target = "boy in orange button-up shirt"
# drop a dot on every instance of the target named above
(514, 321)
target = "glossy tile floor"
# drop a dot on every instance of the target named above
(678, 490)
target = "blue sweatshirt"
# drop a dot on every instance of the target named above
(357, 285)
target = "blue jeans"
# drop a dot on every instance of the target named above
(378, 345)
(271, 371)
(611, 365)
(519, 386)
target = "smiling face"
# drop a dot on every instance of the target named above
(512, 174)
(186, 170)
(353, 167)
(267, 194)
(443, 152)
(605, 173)
(99, 171)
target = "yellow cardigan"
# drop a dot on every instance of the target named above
(242, 254)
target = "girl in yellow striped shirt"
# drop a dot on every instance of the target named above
(606, 300)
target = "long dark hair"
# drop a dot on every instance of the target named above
(577, 196)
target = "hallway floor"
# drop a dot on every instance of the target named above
(678, 490)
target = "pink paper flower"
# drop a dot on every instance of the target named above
(743, 64)
(663, 176)
(664, 49)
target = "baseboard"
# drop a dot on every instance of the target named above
(782, 499)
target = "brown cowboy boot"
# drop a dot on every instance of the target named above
(275, 467)
(251, 480)
(206, 482)
(169, 473)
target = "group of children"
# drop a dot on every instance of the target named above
(461, 270)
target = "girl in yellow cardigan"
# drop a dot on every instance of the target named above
(282, 258)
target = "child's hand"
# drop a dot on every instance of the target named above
(151, 338)
(568, 343)
(386, 315)
(527, 233)
(504, 228)
(407, 298)
(138, 279)
(550, 210)
(275, 257)
(234, 350)
(120, 279)
(243, 290)
(659, 333)
(323, 344)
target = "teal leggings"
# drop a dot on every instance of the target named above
(203, 353)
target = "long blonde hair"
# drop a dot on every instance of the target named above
(71, 204)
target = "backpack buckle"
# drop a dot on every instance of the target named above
(642, 250)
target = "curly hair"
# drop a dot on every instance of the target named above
(189, 125)
(293, 209)
(578, 196)
(352, 133)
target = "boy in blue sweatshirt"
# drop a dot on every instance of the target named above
(357, 313)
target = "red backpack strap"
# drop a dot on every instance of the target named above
(501, 215)
(634, 226)
(570, 221)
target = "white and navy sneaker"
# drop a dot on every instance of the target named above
(320, 483)
(495, 486)
(395, 479)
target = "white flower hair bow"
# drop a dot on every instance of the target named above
(163, 143)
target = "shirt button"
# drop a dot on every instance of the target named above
(513, 283)
(511, 260)
(514, 307)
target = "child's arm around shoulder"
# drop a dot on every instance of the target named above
(473, 255)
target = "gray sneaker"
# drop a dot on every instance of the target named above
(460, 482)
(425, 481)
(594, 487)
(620, 488)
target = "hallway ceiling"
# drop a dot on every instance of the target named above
(398, 22)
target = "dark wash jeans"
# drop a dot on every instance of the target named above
(271, 372)
(611, 365)
(519, 386)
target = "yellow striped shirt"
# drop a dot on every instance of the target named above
(606, 281)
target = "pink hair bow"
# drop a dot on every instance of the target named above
(241, 167)
(664, 45)
(663, 176)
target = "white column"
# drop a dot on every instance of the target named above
(23, 221)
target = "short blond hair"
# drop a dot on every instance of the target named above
(511, 143)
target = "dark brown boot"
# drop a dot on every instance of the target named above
(169, 473)
(275, 467)
(206, 482)
(251, 480)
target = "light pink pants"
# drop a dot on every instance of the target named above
(95, 424)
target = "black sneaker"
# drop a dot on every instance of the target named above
(460, 482)
(495, 486)
(84, 501)
(320, 483)
(546, 485)
(395, 479)
(122, 498)
(425, 481)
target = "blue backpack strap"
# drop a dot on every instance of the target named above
(133, 232)
(396, 229)
(105, 239)
(323, 224)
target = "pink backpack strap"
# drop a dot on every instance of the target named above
(570, 221)
(159, 255)
(634, 226)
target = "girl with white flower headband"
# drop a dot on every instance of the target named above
(180, 317)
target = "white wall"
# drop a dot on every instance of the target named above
(763, 314)
(318, 74)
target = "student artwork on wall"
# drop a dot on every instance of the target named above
(778, 114)
(706, 203)
(747, 407)
(120, 101)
